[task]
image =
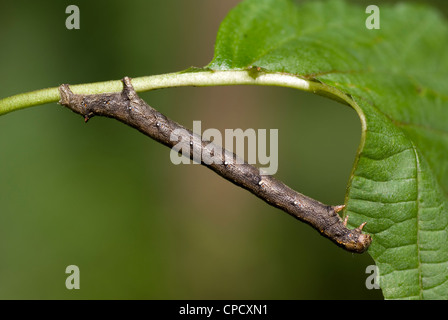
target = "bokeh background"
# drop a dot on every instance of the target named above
(106, 198)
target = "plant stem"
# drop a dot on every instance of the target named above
(199, 78)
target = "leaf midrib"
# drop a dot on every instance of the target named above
(418, 176)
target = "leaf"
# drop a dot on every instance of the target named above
(396, 79)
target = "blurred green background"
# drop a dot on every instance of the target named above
(106, 198)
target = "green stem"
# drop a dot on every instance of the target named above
(199, 78)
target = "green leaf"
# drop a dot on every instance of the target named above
(396, 79)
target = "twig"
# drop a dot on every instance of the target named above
(130, 109)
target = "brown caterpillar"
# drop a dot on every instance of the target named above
(129, 108)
